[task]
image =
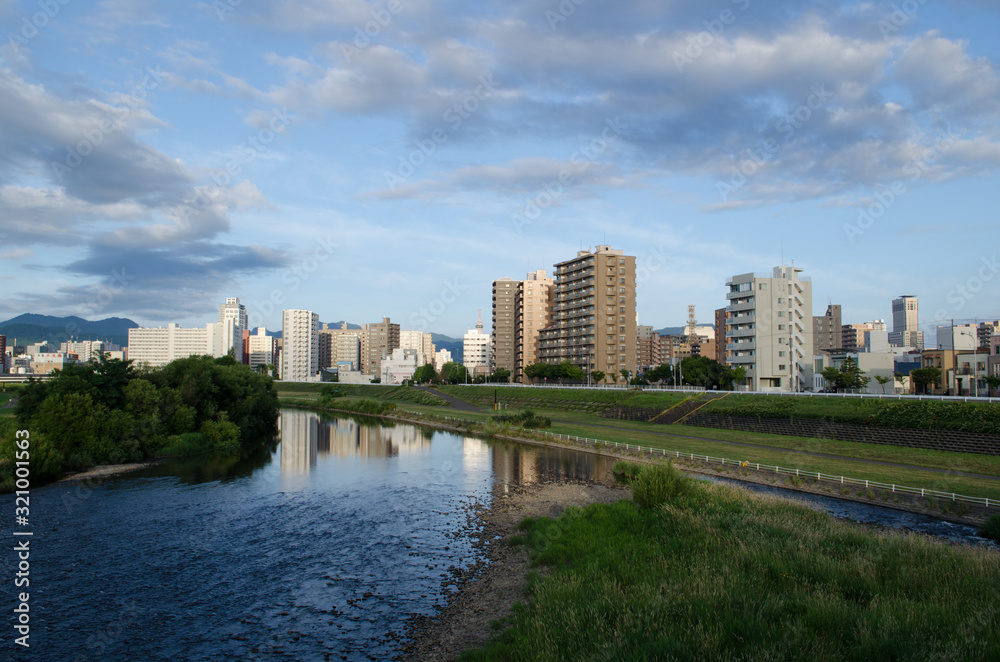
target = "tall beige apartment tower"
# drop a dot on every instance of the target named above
(533, 308)
(521, 309)
(503, 344)
(376, 344)
(593, 313)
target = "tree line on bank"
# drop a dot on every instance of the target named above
(692, 371)
(110, 412)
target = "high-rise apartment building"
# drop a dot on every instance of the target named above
(827, 329)
(3, 354)
(420, 342)
(521, 309)
(234, 310)
(158, 346)
(593, 313)
(300, 345)
(720, 333)
(534, 313)
(647, 347)
(503, 349)
(338, 346)
(852, 336)
(905, 315)
(769, 329)
(377, 343)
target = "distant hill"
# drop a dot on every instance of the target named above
(30, 328)
(453, 345)
(670, 331)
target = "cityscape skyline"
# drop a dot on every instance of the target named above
(371, 159)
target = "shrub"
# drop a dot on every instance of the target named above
(626, 472)
(525, 419)
(657, 484)
(991, 529)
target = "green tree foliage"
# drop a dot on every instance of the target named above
(851, 377)
(500, 375)
(925, 377)
(454, 373)
(739, 374)
(706, 372)
(830, 374)
(597, 376)
(661, 373)
(993, 381)
(425, 373)
(108, 412)
(882, 381)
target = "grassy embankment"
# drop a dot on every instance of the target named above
(572, 410)
(10, 391)
(718, 573)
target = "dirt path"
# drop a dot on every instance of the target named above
(460, 405)
(501, 582)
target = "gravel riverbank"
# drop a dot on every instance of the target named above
(492, 589)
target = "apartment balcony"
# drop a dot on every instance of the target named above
(741, 333)
(737, 346)
(746, 294)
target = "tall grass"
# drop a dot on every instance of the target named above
(726, 575)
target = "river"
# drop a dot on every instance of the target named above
(319, 549)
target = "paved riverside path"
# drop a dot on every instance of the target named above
(460, 405)
(786, 450)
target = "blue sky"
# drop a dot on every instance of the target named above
(392, 158)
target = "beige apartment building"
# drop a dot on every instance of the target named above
(521, 309)
(377, 343)
(593, 313)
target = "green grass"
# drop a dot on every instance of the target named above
(367, 391)
(555, 398)
(899, 414)
(776, 451)
(777, 448)
(722, 574)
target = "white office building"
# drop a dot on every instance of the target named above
(261, 348)
(441, 357)
(476, 350)
(769, 329)
(400, 365)
(300, 346)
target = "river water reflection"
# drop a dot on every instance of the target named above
(320, 549)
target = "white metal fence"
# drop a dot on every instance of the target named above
(843, 480)
(804, 394)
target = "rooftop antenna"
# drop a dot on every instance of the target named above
(479, 320)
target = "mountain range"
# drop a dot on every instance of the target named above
(30, 328)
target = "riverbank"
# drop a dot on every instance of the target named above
(717, 573)
(108, 470)
(957, 512)
(495, 586)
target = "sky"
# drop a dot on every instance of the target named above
(394, 157)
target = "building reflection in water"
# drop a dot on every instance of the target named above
(305, 438)
(524, 465)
